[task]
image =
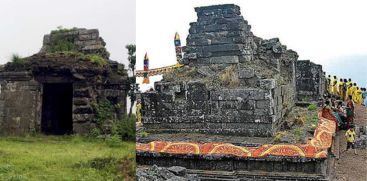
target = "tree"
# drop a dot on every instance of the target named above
(132, 79)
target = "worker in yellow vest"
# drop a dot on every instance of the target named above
(329, 85)
(340, 89)
(349, 90)
(350, 136)
(349, 81)
(335, 87)
(358, 94)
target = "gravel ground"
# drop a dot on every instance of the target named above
(351, 167)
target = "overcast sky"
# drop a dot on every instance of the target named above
(24, 22)
(328, 32)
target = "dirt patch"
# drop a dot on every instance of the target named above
(351, 167)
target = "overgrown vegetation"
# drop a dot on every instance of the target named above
(94, 58)
(59, 158)
(312, 107)
(104, 111)
(61, 29)
(60, 43)
(16, 59)
(126, 127)
(143, 134)
(123, 128)
(65, 45)
(298, 132)
(300, 124)
(230, 78)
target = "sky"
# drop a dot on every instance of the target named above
(24, 22)
(332, 33)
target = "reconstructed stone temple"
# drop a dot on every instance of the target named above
(55, 92)
(232, 83)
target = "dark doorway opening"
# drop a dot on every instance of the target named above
(57, 108)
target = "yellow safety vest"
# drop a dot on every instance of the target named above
(350, 135)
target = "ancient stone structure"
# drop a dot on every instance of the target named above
(55, 92)
(232, 83)
(310, 81)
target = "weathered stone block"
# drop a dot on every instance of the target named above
(267, 84)
(246, 73)
(224, 59)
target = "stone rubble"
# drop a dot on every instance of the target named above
(155, 173)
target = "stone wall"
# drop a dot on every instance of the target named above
(191, 107)
(19, 103)
(232, 83)
(310, 81)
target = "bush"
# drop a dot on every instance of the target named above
(96, 59)
(114, 141)
(126, 127)
(94, 133)
(15, 58)
(312, 107)
(62, 45)
(144, 134)
(298, 132)
(315, 119)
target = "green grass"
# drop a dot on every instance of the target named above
(63, 158)
(312, 107)
(94, 58)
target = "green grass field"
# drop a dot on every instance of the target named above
(63, 158)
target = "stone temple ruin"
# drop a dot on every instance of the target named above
(233, 82)
(236, 89)
(54, 92)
